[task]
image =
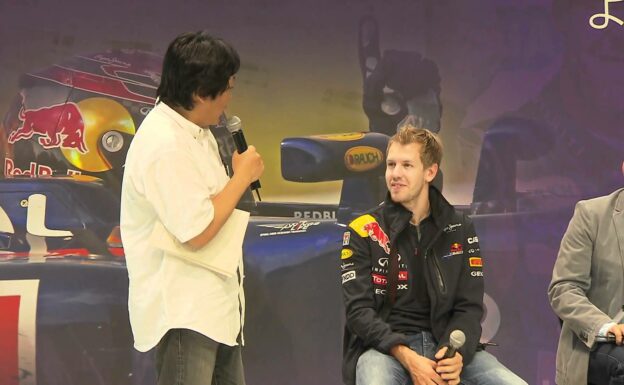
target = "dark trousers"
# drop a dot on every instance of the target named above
(185, 357)
(606, 365)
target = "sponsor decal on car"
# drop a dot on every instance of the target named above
(34, 169)
(346, 137)
(18, 325)
(324, 214)
(363, 158)
(288, 228)
(56, 126)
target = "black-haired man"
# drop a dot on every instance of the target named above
(174, 177)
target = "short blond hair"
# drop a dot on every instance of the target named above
(430, 143)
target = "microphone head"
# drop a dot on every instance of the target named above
(234, 124)
(457, 339)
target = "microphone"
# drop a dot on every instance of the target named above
(456, 341)
(235, 127)
(610, 337)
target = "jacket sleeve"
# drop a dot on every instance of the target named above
(362, 317)
(468, 303)
(572, 279)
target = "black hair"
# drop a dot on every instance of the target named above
(196, 62)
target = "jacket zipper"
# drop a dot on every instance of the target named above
(439, 274)
(436, 266)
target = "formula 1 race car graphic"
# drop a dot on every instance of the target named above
(63, 281)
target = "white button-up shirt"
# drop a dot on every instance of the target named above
(172, 171)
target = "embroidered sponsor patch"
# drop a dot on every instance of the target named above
(358, 224)
(456, 249)
(348, 276)
(475, 262)
(377, 234)
(367, 226)
(379, 279)
(452, 227)
(346, 254)
(472, 240)
(346, 237)
(345, 266)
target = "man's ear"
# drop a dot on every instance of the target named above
(197, 99)
(431, 172)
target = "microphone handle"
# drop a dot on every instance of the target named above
(241, 146)
(239, 141)
(450, 352)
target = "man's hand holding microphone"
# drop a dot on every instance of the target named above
(235, 127)
(423, 371)
(249, 163)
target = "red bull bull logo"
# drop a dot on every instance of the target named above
(456, 249)
(60, 125)
(378, 235)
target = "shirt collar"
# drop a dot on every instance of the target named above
(185, 124)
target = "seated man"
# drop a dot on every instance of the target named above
(587, 293)
(411, 275)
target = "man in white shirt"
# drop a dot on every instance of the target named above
(174, 176)
(587, 293)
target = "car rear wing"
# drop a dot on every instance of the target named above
(358, 159)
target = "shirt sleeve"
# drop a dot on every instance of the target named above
(605, 329)
(180, 194)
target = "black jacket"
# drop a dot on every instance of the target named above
(454, 278)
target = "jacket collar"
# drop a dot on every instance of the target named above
(398, 216)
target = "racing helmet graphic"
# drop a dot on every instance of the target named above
(79, 116)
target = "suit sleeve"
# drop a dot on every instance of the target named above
(468, 303)
(361, 315)
(572, 279)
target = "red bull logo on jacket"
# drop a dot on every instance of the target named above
(367, 226)
(377, 234)
(57, 126)
(457, 249)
